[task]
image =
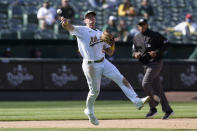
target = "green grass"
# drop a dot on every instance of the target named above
(73, 110)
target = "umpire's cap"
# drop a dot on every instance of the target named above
(142, 21)
(89, 12)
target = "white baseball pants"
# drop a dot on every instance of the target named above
(94, 72)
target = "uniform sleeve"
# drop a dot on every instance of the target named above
(105, 28)
(180, 27)
(53, 12)
(78, 31)
(134, 49)
(164, 43)
(40, 13)
(195, 26)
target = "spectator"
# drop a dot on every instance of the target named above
(109, 4)
(146, 9)
(186, 27)
(112, 28)
(126, 9)
(7, 52)
(67, 10)
(46, 15)
(97, 4)
(132, 33)
(123, 30)
(18, 3)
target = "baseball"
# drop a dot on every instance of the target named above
(59, 11)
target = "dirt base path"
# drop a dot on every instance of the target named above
(130, 123)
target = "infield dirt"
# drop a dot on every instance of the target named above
(129, 123)
(183, 123)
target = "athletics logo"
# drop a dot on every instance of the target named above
(63, 76)
(18, 75)
(94, 40)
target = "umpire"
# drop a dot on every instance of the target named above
(148, 47)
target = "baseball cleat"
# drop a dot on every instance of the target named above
(92, 118)
(168, 114)
(151, 113)
(143, 101)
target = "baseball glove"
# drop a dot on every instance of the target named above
(107, 38)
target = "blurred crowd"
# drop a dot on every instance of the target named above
(117, 25)
(120, 23)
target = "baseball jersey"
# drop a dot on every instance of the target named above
(182, 27)
(89, 43)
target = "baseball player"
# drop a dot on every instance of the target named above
(95, 65)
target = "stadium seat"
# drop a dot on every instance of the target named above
(3, 16)
(25, 34)
(8, 34)
(30, 15)
(3, 6)
(15, 12)
(61, 36)
(174, 39)
(44, 34)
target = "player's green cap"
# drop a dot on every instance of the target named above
(89, 12)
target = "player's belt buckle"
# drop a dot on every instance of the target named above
(96, 61)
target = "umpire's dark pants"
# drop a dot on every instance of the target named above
(152, 85)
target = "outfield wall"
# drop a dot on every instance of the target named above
(68, 49)
(66, 75)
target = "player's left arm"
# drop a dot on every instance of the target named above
(110, 51)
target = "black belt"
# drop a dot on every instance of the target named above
(96, 61)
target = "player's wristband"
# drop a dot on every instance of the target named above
(66, 23)
(112, 47)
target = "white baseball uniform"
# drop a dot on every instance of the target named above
(91, 49)
(182, 27)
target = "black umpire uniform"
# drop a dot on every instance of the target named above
(148, 47)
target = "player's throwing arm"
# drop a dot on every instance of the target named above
(65, 22)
